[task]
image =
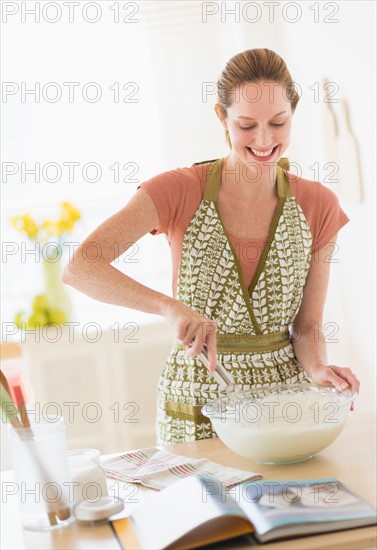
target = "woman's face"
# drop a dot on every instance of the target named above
(259, 124)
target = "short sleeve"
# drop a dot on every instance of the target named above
(167, 192)
(321, 208)
(330, 220)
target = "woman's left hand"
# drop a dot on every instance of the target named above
(340, 377)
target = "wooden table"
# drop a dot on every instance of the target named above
(351, 458)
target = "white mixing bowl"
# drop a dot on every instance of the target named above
(280, 424)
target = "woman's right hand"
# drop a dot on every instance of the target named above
(192, 329)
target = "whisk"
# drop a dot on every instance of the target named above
(236, 396)
(222, 377)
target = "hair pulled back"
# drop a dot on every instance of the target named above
(259, 64)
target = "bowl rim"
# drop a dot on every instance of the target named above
(348, 394)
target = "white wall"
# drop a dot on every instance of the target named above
(345, 53)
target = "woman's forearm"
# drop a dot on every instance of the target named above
(310, 351)
(103, 282)
(309, 347)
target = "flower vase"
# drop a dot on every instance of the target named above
(59, 302)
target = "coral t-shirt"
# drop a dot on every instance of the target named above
(177, 195)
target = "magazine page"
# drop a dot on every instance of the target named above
(302, 506)
(181, 508)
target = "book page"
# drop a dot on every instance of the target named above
(181, 508)
(209, 533)
(214, 531)
(302, 506)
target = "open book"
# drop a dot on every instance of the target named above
(198, 510)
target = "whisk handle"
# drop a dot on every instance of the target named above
(222, 377)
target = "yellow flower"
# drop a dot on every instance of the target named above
(25, 223)
(70, 212)
(64, 226)
(50, 227)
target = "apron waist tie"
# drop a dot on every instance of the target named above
(247, 343)
(230, 342)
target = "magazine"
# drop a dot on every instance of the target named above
(199, 510)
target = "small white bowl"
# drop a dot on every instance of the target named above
(280, 424)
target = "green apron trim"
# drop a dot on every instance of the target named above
(248, 343)
(267, 246)
(206, 161)
(245, 290)
(284, 163)
(285, 186)
(213, 180)
(184, 411)
(211, 192)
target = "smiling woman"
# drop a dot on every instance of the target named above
(256, 316)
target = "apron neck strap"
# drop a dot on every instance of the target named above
(214, 174)
(213, 181)
(284, 187)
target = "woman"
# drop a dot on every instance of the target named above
(250, 246)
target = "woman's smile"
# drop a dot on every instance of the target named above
(262, 155)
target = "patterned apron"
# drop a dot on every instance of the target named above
(253, 341)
